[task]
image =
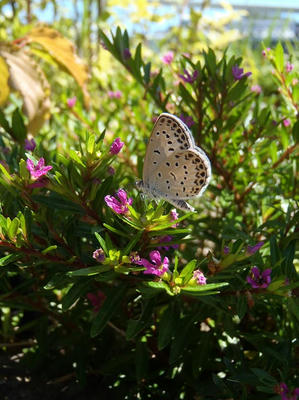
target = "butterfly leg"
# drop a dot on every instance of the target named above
(181, 204)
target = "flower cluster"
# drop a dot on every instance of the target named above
(99, 255)
(114, 95)
(119, 206)
(71, 102)
(39, 169)
(30, 144)
(116, 146)
(168, 57)
(238, 73)
(199, 277)
(259, 280)
(285, 392)
(165, 239)
(187, 77)
(187, 120)
(157, 266)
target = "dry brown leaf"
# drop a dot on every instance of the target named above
(26, 77)
(4, 88)
(63, 51)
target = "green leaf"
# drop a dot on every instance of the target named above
(90, 270)
(167, 325)
(59, 203)
(102, 243)
(187, 272)
(295, 132)
(4, 123)
(160, 286)
(18, 127)
(108, 309)
(278, 57)
(74, 293)
(9, 259)
(13, 228)
(5, 173)
(48, 249)
(141, 361)
(24, 173)
(136, 326)
(204, 288)
(74, 156)
(114, 230)
(132, 243)
(274, 251)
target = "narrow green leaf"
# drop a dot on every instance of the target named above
(167, 326)
(74, 293)
(136, 326)
(102, 243)
(187, 272)
(114, 230)
(18, 127)
(132, 243)
(13, 228)
(90, 270)
(108, 309)
(48, 249)
(278, 57)
(9, 259)
(75, 157)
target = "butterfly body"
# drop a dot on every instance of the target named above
(175, 169)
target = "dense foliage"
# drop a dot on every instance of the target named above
(99, 283)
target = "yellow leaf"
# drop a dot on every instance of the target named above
(26, 77)
(4, 88)
(62, 51)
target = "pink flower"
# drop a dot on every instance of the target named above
(238, 73)
(259, 280)
(187, 120)
(119, 206)
(264, 52)
(256, 89)
(157, 267)
(71, 102)
(199, 277)
(253, 249)
(289, 67)
(30, 144)
(116, 146)
(168, 57)
(286, 122)
(96, 299)
(38, 170)
(285, 393)
(99, 255)
(187, 77)
(174, 216)
(165, 239)
(114, 95)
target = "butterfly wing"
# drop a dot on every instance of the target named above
(183, 175)
(169, 136)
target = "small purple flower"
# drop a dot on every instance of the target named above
(238, 73)
(99, 255)
(111, 171)
(157, 267)
(256, 89)
(187, 77)
(127, 54)
(253, 249)
(71, 102)
(199, 277)
(119, 206)
(289, 67)
(286, 122)
(165, 239)
(259, 280)
(225, 250)
(187, 120)
(30, 144)
(96, 299)
(116, 146)
(264, 52)
(114, 95)
(134, 257)
(174, 216)
(168, 58)
(285, 393)
(38, 170)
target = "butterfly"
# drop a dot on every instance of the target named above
(174, 169)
